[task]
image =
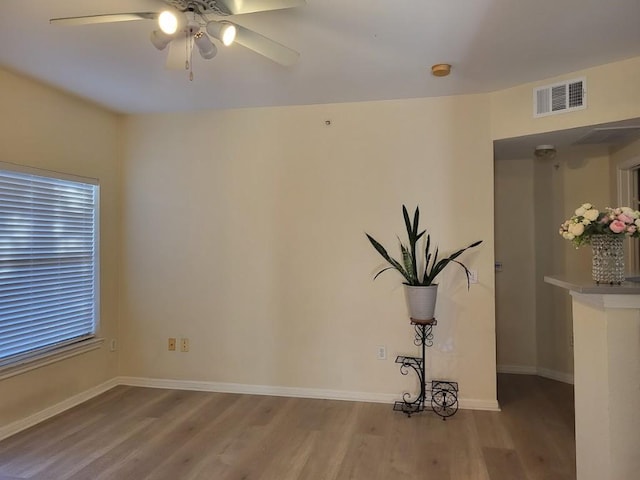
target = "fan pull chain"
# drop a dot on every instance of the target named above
(189, 61)
(186, 51)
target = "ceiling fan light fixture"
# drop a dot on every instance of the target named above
(170, 22)
(223, 31)
(160, 40)
(205, 46)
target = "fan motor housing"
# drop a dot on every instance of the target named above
(200, 6)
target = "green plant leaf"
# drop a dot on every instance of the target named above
(383, 270)
(383, 252)
(407, 259)
(466, 272)
(407, 222)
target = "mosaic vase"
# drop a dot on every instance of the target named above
(608, 259)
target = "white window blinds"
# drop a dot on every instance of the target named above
(48, 263)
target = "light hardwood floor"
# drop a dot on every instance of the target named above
(139, 433)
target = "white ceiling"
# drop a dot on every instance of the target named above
(351, 50)
(568, 140)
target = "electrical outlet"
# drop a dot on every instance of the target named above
(473, 276)
(381, 353)
(184, 344)
(172, 344)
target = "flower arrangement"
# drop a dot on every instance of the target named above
(589, 221)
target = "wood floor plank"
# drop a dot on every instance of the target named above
(331, 440)
(361, 459)
(134, 433)
(466, 450)
(492, 430)
(504, 464)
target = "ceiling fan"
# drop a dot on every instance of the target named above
(184, 24)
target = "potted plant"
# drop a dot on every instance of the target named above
(419, 274)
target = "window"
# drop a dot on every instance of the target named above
(48, 262)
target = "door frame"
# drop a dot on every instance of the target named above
(629, 194)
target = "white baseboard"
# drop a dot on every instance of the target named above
(23, 424)
(468, 404)
(474, 404)
(518, 369)
(555, 375)
(542, 372)
(41, 416)
(257, 389)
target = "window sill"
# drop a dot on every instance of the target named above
(48, 358)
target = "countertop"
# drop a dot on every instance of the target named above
(587, 285)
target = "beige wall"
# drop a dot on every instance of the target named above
(244, 231)
(533, 319)
(44, 128)
(583, 175)
(515, 249)
(612, 94)
(576, 176)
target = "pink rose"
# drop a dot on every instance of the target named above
(631, 229)
(617, 226)
(624, 218)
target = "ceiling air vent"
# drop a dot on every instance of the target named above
(560, 98)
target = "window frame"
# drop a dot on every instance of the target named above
(27, 361)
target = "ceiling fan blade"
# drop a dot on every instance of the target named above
(177, 55)
(265, 46)
(105, 18)
(238, 7)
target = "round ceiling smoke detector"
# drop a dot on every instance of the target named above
(441, 70)
(545, 151)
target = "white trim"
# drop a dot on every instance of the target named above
(539, 371)
(517, 369)
(49, 357)
(474, 404)
(555, 375)
(20, 168)
(464, 403)
(41, 416)
(275, 391)
(627, 195)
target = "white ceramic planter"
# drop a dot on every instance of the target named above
(421, 301)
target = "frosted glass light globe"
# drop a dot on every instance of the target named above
(228, 34)
(168, 22)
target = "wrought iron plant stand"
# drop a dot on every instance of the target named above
(443, 396)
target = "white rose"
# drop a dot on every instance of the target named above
(637, 222)
(568, 236)
(580, 211)
(586, 221)
(628, 212)
(591, 214)
(576, 229)
(587, 206)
